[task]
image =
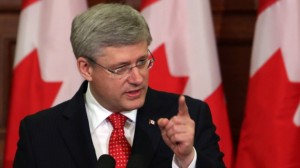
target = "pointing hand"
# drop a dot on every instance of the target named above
(178, 133)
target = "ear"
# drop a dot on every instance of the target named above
(84, 68)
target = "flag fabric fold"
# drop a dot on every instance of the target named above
(186, 57)
(44, 70)
(271, 128)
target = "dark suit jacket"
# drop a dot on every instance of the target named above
(59, 137)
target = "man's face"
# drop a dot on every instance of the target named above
(125, 92)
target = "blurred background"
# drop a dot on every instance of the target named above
(233, 21)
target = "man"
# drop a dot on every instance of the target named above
(110, 42)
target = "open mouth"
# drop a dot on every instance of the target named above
(134, 93)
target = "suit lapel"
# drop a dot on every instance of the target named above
(76, 134)
(146, 138)
(147, 133)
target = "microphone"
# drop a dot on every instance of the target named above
(106, 161)
(136, 161)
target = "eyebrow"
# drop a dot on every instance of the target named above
(127, 62)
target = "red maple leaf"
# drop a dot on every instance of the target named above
(30, 93)
(269, 135)
(264, 4)
(26, 3)
(160, 76)
(146, 3)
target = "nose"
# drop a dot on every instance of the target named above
(135, 76)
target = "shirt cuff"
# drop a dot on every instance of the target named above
(192, 165)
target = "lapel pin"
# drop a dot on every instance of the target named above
(151, 122)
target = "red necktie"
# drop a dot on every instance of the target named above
(119, 148)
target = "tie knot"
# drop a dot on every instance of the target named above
(117, 120)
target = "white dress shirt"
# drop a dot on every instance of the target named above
(101, 128)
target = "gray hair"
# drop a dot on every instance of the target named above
(107, 25)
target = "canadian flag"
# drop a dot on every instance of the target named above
(45, 70)
(186, 57)
(270, 134)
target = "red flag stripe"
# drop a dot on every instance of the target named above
(218, 108)
(35, 89)
(270, 131)
(272, 102)
(32, 89)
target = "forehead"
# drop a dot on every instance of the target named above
(125, 52)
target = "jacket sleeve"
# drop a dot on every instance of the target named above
(206, 139)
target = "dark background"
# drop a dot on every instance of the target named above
(234, 28)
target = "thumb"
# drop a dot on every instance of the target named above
(162, 122)
(182, 108)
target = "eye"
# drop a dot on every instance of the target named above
(142, 62)
(121, 69)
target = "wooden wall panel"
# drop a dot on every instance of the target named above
(1, 152)
(234, 27)
(234, 22)
(10, 5)
(234, 61)
(8, 31)
(233, 5)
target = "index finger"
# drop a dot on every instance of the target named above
(182, 108)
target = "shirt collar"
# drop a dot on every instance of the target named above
(97, 114)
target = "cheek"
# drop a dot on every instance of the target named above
(103, 84)
(113, 87)
(146, 77)
(109, 86)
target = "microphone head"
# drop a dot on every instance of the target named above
(136, 161)
(106, 161)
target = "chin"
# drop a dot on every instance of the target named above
(131, 105)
